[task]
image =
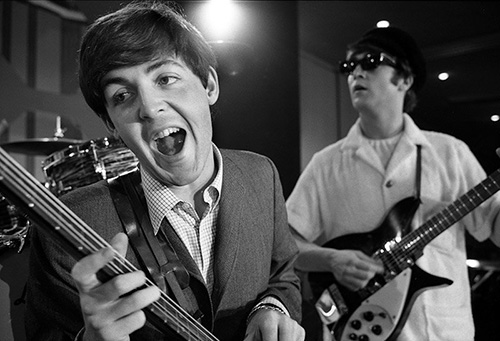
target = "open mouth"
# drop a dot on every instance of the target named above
(171, 141)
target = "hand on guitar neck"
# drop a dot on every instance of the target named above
(111, 310)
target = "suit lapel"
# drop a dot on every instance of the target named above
(228, 236)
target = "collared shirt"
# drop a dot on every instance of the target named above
(197, 233)
(346, 188)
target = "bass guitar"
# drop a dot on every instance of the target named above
(379, 311)
(45, 210)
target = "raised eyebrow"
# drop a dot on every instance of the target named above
(162, 62)
(149, 69)
(112, 80)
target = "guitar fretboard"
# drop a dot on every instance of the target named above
(399, 255)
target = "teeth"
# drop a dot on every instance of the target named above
(166, 133)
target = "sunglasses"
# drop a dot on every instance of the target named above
(369, 62)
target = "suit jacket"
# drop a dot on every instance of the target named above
(254, 256)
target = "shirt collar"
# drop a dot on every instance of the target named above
(161, 199)
(411, 133)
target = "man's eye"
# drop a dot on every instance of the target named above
(167, 80)
(120, 98)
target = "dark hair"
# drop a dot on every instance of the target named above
(410, 100)
(135, 34)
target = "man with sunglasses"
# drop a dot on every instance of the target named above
(349, 187)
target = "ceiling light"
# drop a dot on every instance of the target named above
(443, 76)
(221, 19)
(383, 23)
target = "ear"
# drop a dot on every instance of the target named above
(110, 127)
(212, 86)
(406, 83)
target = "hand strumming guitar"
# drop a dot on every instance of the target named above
(352, 268)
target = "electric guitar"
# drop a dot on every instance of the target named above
(49, 213)
(379, 311)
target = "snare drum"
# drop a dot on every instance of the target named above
(14, 226)
(84, 164)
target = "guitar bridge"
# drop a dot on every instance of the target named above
(331, 305)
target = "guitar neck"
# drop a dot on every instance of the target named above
(402, 254)
(49, 213)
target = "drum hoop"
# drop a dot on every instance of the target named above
(85, 148)
(58, 157)
(87, 163)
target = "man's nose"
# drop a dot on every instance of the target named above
(358, 70)
(151, 103)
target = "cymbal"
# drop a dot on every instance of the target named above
(41, 146)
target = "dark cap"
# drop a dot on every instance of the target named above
(399, 44)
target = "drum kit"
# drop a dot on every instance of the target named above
(69, 164)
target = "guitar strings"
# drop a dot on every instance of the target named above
(47, 203)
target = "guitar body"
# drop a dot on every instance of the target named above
(397, 221)
(379, 315)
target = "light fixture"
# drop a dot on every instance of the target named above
(443, 76)
(383, 23)
(220, 19)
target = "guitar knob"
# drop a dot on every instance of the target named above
(353, 337)
(364, 338)
(368, 315)
(377, 329)
(356, 324)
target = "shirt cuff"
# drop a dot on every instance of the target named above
(273, 300)
(270, 303)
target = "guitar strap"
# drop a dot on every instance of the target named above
(155, 255)
(419, 171)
